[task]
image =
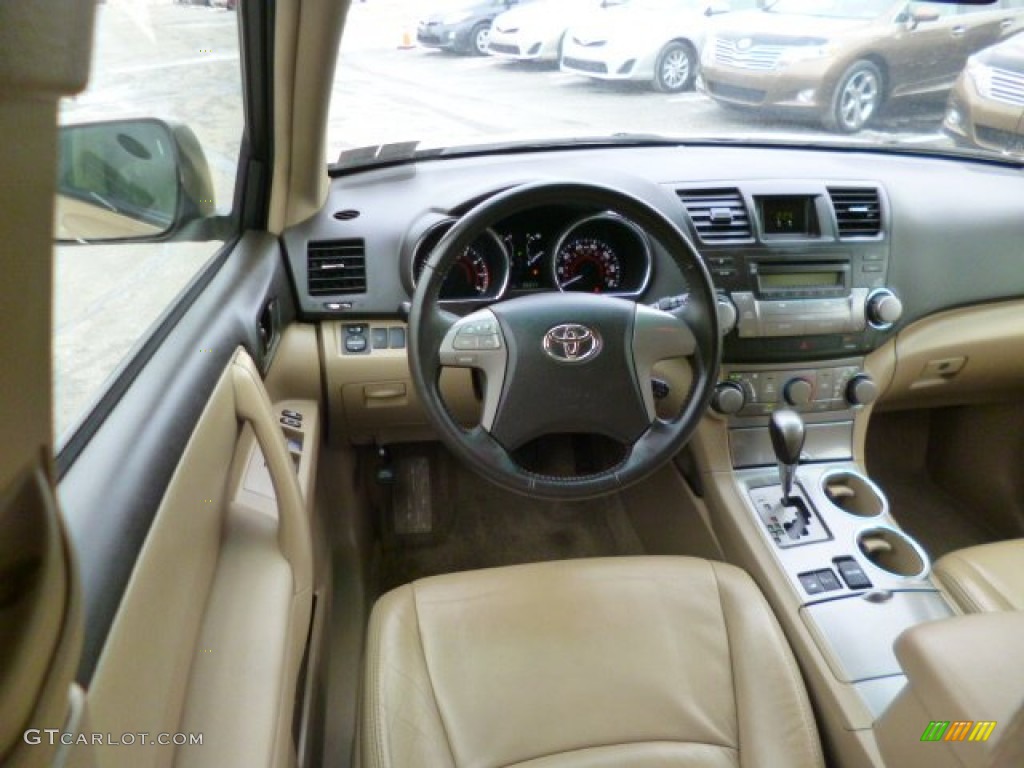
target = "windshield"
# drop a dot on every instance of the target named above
(446, 74)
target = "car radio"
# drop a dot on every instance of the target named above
(806, 294)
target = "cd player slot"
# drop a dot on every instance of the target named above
(800, 317)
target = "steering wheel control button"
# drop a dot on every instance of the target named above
(852, 573)
(572, 343)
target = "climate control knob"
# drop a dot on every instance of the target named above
(861, 390)
(798, 391)
(728, 398)
(884, 308)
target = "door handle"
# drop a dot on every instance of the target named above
(958, 31)
(1006, 23)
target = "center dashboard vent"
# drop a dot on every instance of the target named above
(858, 211)
(335, 267)
(718, 215)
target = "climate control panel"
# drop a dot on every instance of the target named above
(807, 390)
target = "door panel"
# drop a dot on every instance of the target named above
(111, 492)
(208, 639)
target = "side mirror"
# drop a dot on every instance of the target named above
(130, 180)
(921, 15)
(716, 7)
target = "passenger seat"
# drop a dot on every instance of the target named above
(985, 578)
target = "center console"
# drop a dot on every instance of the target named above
(807, 313)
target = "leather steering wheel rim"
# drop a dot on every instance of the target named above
(431, 327)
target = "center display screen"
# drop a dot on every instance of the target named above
(792, 215)
(828, 279)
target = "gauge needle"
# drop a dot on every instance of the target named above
(576, 279)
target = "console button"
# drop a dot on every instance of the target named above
(783, 328)
(355, 344)
(292, 414)
(396, 338)
(828, 580)
(852, 573)
(811, 583)
(826, 384)
(379, 338)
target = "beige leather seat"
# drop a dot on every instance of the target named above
(651, 661)
(989, 577)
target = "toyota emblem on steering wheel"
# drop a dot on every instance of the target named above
(572, 343)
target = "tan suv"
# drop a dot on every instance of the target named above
(839, 61)
(986, 106)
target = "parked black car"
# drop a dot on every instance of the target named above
(462, 28)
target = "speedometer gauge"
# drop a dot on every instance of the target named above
(587, 264)
(602, 253)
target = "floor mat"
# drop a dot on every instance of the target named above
(484, 526)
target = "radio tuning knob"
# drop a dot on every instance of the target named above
(728, 398)
(798, 391)
(861, 390)
(884, 308)
(727, 314)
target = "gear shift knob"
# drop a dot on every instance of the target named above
(786, 429)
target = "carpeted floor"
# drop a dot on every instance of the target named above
(477, 525)
(896, 449)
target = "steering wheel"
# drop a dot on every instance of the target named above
(564, 362)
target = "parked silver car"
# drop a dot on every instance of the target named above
(650, 41)
(535, 32)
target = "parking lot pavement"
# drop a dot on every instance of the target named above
(442, 98)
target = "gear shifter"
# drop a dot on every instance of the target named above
(787, 432)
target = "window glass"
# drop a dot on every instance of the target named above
(457, 73)
(169, 75)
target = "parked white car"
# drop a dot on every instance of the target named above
(535, 32)
(653, 41)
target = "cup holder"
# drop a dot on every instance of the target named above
(853, 493)
(893, 551)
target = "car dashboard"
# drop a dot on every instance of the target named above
(800, 241)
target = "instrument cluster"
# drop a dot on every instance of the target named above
(550, 249)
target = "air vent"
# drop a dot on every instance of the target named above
(858, 211)
(336, 266)
(718, 215)
(346, 215)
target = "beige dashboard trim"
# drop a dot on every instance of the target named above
(969, 355)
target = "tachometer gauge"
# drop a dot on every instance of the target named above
(469, 278)
(587, 264)
(481, 272)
